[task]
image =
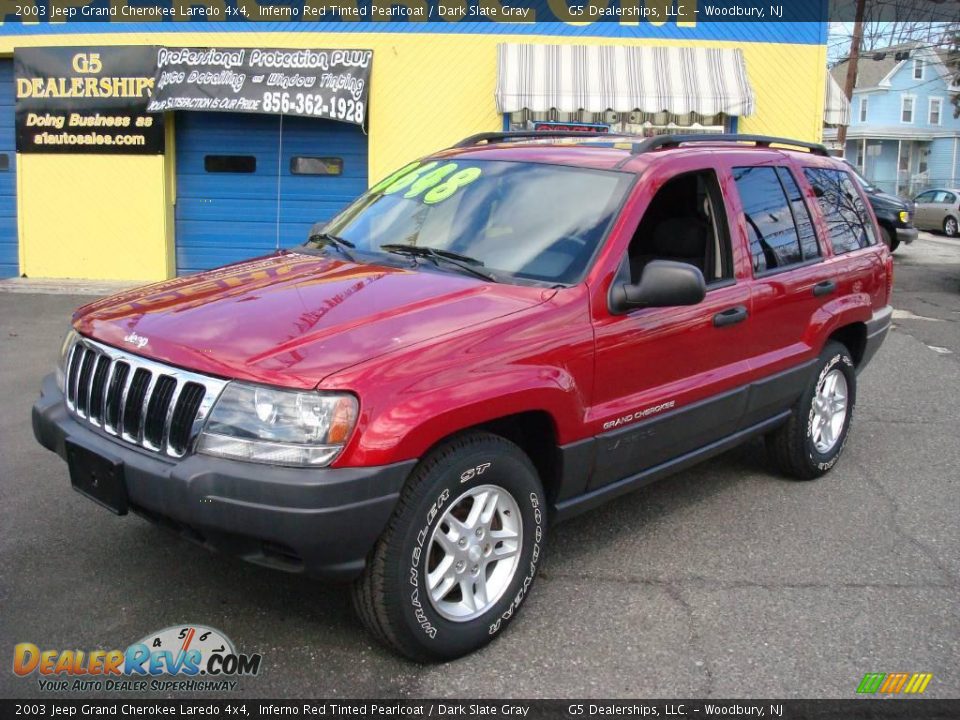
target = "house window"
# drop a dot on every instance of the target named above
(917, 69)
(936, 109)
(906, 109)
(863, 109)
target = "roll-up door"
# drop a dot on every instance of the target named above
(228, 165)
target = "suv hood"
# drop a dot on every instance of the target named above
(293, 319)
(891, 202)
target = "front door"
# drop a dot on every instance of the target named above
(670, 380)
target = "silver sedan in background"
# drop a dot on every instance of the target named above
(938, 209)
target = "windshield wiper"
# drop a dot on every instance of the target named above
(341, 244)
(464, 262)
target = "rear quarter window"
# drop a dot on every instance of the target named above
(844, 212)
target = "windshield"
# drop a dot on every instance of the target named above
(520, 220)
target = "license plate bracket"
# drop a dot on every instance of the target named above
(99, 478)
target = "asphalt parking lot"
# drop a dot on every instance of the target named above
(725, 581)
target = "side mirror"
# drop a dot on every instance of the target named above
(663, 283)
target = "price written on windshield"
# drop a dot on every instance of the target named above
(313, 104)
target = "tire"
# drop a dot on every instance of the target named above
(393, 598)
(889, 239)
(800, 448)
(950, 228)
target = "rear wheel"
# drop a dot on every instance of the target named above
(950, 227)
(811, 441)
(460, 553)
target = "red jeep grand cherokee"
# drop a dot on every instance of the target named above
(501, 335)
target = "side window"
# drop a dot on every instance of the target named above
(844, 212)
(925, 197)
(774, 236)
(685, 222)
(801, 215)
(950, 199)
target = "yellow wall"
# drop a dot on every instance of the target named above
(109, 217)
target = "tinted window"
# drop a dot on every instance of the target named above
(774, 240)
(525, 220)
(301, 165)
(230, 163)
(844, 212)
(926, 197)
(801, 215)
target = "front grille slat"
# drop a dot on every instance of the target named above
(138, 401)
(83, 382)
(77, 362)
(97, 382)
(115, 389)
(156, 415)
(184, 414)
(135, 403)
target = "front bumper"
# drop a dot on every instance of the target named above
(322, 522)
(877, 328)
(907, 235)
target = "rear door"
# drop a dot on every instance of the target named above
(792, 282)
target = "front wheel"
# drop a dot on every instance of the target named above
(950, 227)
(460, 553)
(811, 441)
(889, 238)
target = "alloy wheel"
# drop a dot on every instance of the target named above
(474, 552)
(829, 411)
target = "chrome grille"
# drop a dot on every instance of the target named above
(139, 401)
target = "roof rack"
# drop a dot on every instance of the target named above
(667, 141)
(642, 145)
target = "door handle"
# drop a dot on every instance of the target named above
(731, 316)
(825, 288)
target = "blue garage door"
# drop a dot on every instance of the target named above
(8, 174)
(227, 168)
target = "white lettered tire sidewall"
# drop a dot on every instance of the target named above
(439, 636)
(837, 358)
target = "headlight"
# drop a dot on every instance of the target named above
(904, 216)
(280, 427)
(61, 374)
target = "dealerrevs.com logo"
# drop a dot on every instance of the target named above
(186, 658)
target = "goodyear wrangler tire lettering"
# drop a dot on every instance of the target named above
(393, 598)
(801, 448)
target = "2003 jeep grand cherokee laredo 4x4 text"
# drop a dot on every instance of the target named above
(495, 337)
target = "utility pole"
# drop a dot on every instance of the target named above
(851, 81)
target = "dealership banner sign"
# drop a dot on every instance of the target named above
(86, 100)
(330, 84)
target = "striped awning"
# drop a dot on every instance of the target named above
(593, 78)
(836, 109)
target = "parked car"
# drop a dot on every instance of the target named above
(939, 210)
(490, 340)
(895, 215)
